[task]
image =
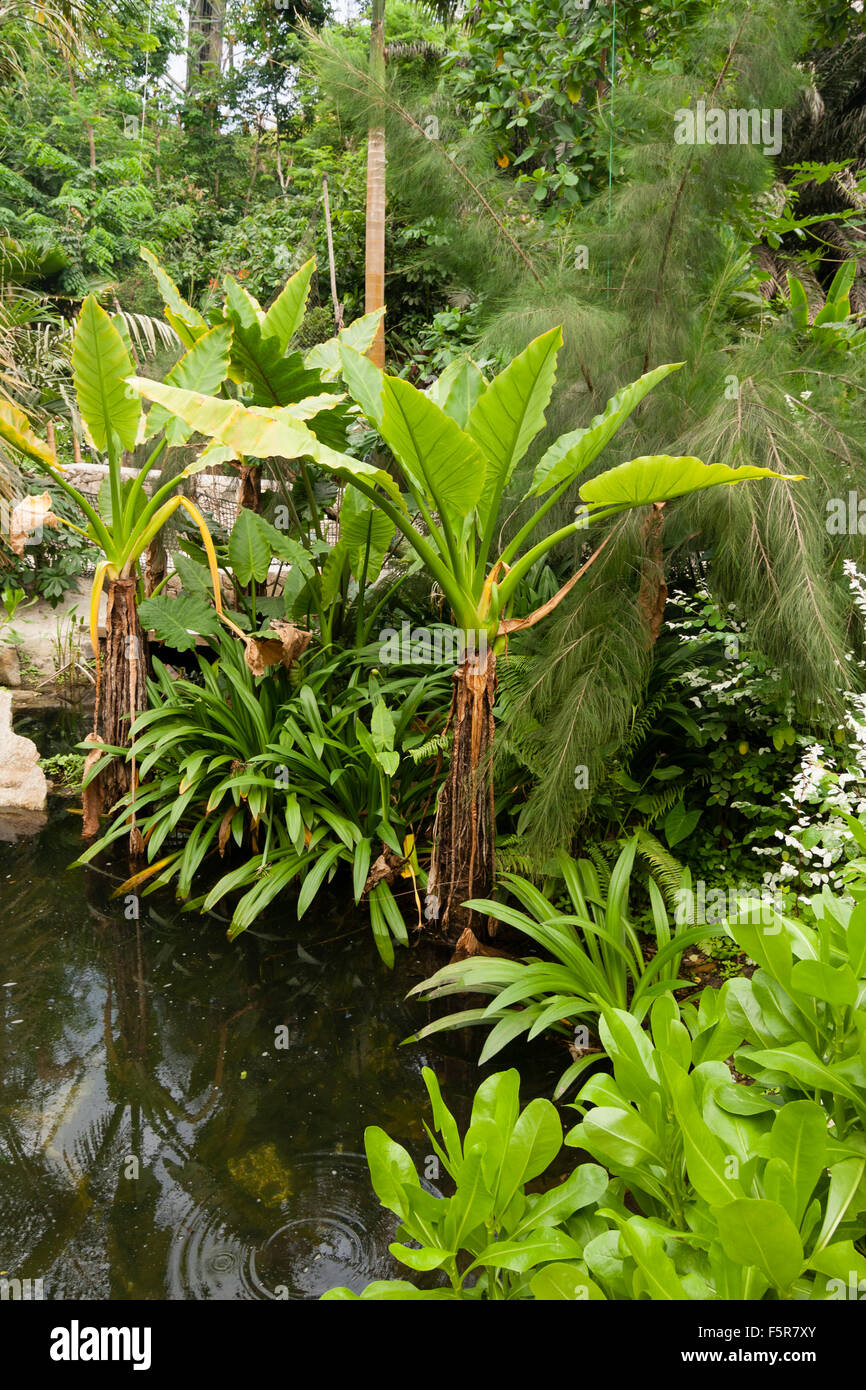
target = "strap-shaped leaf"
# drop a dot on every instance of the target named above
(572, 453)
(100, 367)
(509, 414)
(659, 477)
(15, 430)
(438, 458)
(186, 321)
(458, 389)
(799, 303)
(286, 314)
(257, 433)
(202, 368)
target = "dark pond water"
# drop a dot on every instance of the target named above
(181, 1118)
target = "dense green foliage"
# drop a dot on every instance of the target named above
(596, 324)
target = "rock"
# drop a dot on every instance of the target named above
(22, 782)
(10, 666)
(20, 825)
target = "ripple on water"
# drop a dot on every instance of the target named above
(329, 1230)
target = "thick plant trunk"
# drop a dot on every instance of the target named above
(463, 864)
(155, 564)
(122, 690)
(250, 491)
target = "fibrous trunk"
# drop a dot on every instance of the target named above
(464, 865)
(250, 491)
(122, 691)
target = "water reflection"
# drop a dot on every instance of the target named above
(183, 1118)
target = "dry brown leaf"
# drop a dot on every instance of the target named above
(91, 796)
(469, 945)
(27, 516)
(225, 830)
(289, 643)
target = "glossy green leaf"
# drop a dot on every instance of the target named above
(458, 388)
(286, 314)
(510, 413)
(756, 1232)
(834, 984)
(660, 478)
(202, 368)
(100, 368)
(572, 453)
(560, 1283)
(440, 461)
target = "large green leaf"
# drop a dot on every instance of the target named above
(391, 1170)
(799, 1062)
(441, 462)
(659, 477)
(618, 1138)
(186, 321)
(572, 453)
(534, 1143)
(647, 1248)
(359, 335)
(835, 984)
(523, 1255)
(510, 413)
(761, 1233)
(458, 388)
(100, 368)
(177, 621)
(241, 307)
(259, 433)
(565, 1283)
(799, 1138)
(286, 314)
(249, 551)
(363, 525)
(706, 1158)
(202, 368)
(365, 382)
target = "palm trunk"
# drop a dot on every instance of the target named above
(463, 863)
(374, 281)
(122, 693)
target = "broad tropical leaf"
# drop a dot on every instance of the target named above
(202, 368)
(359, 335)
(254, 432)
(443, 463)
(363, 525)
(286, 314)
(186, 321)
(509, 414)
(177, 621)
(100, 367)
(458, 389)
(659, 477)
(572, 453)
(249, 551)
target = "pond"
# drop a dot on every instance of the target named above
(183, 1118)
